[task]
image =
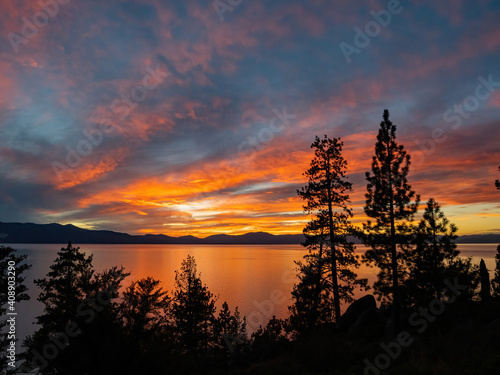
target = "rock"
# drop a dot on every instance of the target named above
(354, 311)
(366, 321)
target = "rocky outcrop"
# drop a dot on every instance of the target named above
(354, 311)
(368, 319)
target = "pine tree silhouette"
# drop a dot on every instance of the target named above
(326, 197)
(390, 201)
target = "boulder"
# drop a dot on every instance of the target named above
(366, 322)
(354, 311)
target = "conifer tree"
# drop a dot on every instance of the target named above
(312, 297)
(82, 302)
(144, 307)
(495, 283)
(497, 182)
(144, 315)
(230, 330)
(193, 308)
(434, 248)
(65, 287)
(268, 341)
(392, 203)
(326, 198)
(465, 272)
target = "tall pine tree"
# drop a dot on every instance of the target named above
(392, 203)
(144, 307)
(193, 308)
(312, 297)
(495, 283)
(144, 315)
(497, 182)
(326, 197)
(230, 331)
(75, 296)
(434, 248)
(64, 288)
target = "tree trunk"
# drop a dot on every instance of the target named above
(395, 283)
(317, 291)
(335, 284)
(336, 294)
(435, 256)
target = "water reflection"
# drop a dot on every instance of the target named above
(243, 275)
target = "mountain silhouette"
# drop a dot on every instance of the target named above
(57, 233)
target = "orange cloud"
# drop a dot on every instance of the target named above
(90, 170)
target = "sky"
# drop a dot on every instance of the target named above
(197, 117)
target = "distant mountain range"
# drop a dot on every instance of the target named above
(61, 234)
(57, 233)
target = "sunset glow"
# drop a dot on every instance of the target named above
(198, 126)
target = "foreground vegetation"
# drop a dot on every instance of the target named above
(91, 325)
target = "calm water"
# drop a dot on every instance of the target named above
(256, 278)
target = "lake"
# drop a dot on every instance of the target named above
(256, 278)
